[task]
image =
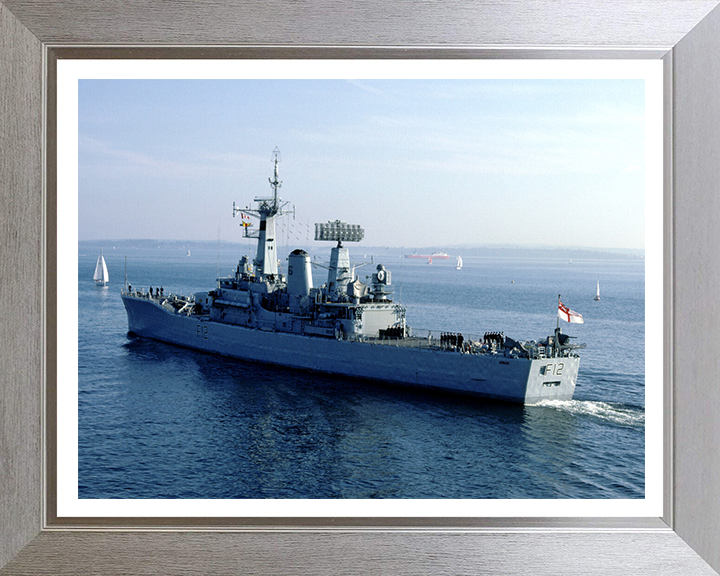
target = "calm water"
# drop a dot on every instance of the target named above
(156, 421)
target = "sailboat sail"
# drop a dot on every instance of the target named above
(458, 266)
(597, 294)
(101, 275)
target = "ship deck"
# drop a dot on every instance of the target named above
(471, 345)
(422, 339)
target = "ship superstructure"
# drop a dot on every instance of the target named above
(344, 326)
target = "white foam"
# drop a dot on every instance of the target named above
(616, 414)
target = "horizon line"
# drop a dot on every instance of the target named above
(433, 247)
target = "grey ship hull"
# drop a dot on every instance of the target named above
(493, 376)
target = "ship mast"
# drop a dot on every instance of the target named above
(268, 209)
(340, 273)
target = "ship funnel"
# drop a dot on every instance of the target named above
(299, 276)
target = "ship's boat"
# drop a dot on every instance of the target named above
(345, 326)
(101, 276)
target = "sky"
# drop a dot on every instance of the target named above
(417, 163)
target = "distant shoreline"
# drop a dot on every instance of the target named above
(497, 251)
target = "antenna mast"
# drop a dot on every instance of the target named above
(267, 210)
(274, 181)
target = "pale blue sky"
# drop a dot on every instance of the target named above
(415, 162)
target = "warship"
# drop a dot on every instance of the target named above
(345, 326)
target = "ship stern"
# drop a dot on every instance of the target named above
(552, 379)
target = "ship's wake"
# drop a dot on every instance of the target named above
(613, 413)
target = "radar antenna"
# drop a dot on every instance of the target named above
(340, 271)
(340, 231)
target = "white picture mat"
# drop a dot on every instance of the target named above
(70, 71)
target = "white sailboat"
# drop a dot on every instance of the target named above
(597, 294)
(101, 275)
(458, 266)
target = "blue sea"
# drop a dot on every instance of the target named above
(158, 421)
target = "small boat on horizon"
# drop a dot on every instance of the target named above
(101, 276)
(436, 255)
(597, 294)
(458, 265)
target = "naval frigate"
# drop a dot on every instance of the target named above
(345, 326)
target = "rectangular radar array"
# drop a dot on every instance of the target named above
(339, 231)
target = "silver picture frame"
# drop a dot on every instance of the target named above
(684, 34)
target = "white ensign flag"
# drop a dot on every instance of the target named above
(568, 315)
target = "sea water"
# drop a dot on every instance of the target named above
(159, 421)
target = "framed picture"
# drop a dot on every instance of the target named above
(543, 136)
(681, 539)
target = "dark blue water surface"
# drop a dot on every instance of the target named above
(157, 421)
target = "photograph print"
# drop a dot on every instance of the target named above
(320, 289)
